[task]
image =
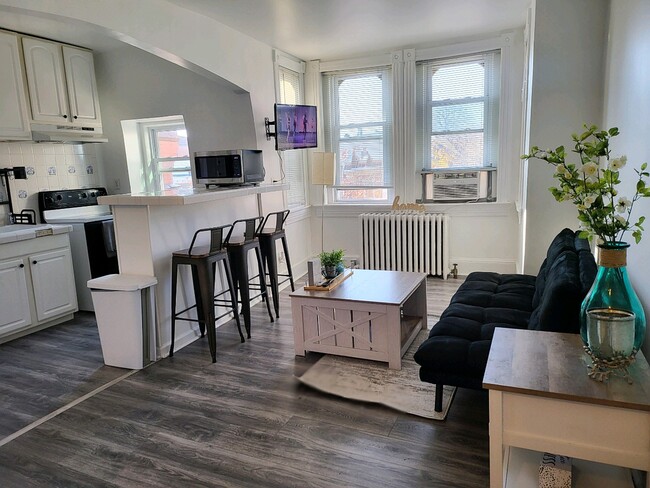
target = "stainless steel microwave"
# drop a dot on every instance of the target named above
(232, 167)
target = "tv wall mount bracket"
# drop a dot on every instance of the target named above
(267, 125)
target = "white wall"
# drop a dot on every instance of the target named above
(566, 87)
(482, 237)
(627, 106)
(134, 84)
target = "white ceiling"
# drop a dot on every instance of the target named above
(317, 29)
(334, 29)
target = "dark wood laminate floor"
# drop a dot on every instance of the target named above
(42, 372)
(246, 422)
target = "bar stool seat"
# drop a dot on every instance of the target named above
(268, 236)
(203, 261)
(238, 248)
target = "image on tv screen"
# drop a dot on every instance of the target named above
(295, 126)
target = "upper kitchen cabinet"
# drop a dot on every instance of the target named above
(61, 84)
(14, 116)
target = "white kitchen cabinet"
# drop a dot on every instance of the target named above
(82, 87)
(14, 115)
(53, 282)
(37, 287)
(14, 301)
(61, 84)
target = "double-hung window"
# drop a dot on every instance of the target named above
(168, 156)
(358, 126)
(289, 91)
(458, 105)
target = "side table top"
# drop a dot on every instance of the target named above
(554, 365)
(372, 286)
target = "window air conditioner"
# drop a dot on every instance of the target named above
(457, 185)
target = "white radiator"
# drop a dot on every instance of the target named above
(406, 242)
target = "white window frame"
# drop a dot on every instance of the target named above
(489, 99)
(507, 151)
(297, 156)
(150, 158)
(333, 144)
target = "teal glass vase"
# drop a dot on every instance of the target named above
(612, 321)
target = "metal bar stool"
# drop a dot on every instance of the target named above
(238, 249)
(268, 238)
(203, 261)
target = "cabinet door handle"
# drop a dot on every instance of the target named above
(75, 116)
(21, 265)
(65, 116)
(34, 262)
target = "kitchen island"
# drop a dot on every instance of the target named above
(149, 227)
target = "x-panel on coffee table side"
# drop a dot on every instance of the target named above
(372, 315)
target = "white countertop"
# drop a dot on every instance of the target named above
(22, 232)
(188, 196)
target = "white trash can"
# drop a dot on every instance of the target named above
(125, 314)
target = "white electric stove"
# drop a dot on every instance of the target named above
(92, 240)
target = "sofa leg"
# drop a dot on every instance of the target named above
(438, 405)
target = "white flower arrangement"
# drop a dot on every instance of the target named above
(591, 186)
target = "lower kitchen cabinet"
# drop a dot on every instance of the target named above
(14, 301)
(37, 287)
(53, 282)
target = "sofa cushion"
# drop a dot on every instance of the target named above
(559, 306)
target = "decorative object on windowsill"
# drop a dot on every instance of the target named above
(332, 263)
(612, 321)
(407, 207)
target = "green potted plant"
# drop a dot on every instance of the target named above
(331, 262)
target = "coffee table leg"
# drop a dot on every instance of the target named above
(394, 338)
(298, 327)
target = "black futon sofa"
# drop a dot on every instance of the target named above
(457, 348)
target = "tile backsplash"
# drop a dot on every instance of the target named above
(48, 167)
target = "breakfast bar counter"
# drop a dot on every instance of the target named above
(184, 196)
(149, 227)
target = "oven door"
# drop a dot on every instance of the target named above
(100, 242)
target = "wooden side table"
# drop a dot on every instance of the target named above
(541, 399)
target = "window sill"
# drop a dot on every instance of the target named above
(488, 209)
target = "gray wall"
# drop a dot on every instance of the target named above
(566, 92)
(133, 84)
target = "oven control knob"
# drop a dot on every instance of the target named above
(59, 198)
(83, 195)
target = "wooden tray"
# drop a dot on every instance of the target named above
(329, 285)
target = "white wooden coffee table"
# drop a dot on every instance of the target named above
(371, 315)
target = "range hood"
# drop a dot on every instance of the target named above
(66, 134)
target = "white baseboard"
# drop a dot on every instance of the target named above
(468, 265)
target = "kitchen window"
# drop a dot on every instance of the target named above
(358, 125)
(167, 155)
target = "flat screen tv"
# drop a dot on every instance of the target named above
(295, 126)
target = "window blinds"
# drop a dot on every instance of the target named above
(290, 92)
(358, 121)
(458, 111)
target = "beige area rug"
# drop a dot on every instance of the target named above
(371, 381)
